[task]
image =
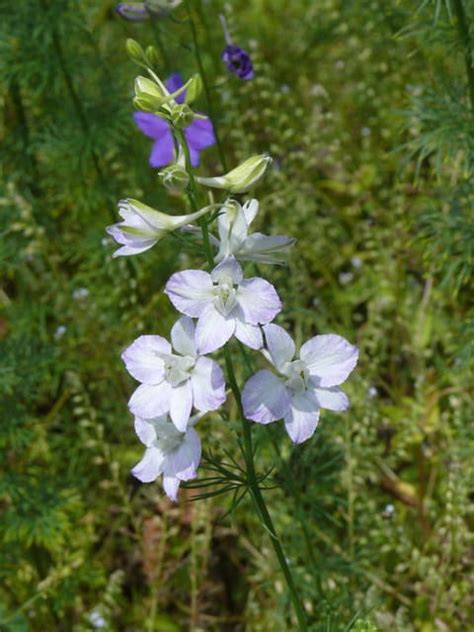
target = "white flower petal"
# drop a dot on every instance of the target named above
(280, 345)
(150, 400)
(182, 336)
(184, 461)
(181, 403)
(208, 384)
(265, 398)
(272, 249)
(190, 291)
(330, 358)
(249, 335)
(258, 301)
(142, 361)
(146, 430)
(250, 210)
(213, 330)
(332, 398)
(302, 418)
(171, 487)
(227, 269)
(150, 467)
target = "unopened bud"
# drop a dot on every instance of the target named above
(194, 89)
(242, 178)
(135, 51)
(174, 178)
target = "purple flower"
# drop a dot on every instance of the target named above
(224, 303)
(307, 384)
(238, 61)
(199, 135)
(132, 11)
(174, 454)
(173, 383)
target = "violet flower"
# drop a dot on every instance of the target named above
(199, 134)
(139, 11)
(175, 455)
(225, 304)
(173, 382)
(236, 59)
(306, 385)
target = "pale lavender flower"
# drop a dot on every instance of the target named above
(173, 382)
(199, 134)
(233, 225)
(173, 454)
(224, 303)
(306, 385)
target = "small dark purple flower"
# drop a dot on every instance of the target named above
(199, 135)
(238, 61)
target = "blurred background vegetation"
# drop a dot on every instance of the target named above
(367, 109)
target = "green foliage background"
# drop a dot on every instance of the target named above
(365, 107)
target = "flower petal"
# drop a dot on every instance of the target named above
(227, 269)
(184, 460)
(142, 360)
(190, 291)
(150, 467)
(265, 398)
(149, 401)
(208, 384)
(171, 487)
(258, 301)
(181, 403)
(280, 345)
(302, 419)
(200, 134)
(250, 209)
(173, 83)
(145, 430)
(330, 358)
(182, 336)
(332, 398)
(213, 330)
(162, 152)
(266, 249)
(151, 125)
(249, 335)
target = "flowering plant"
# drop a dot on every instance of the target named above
(179, 382)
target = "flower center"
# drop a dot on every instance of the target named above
(167, 437)
(297, 375)
(226, 295)
(178, 369)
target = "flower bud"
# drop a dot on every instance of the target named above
(242, 178)
(151, 56)
(148, 95)
(134, 50)
(174, 178)
(194, 89)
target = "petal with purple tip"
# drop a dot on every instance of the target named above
(190, 291)
(149, 401)
(258, 301)
(150, 467)
(143, 361)
(302, 418)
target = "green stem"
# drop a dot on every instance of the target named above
(257, 495)
(465, 37)
(206, 87)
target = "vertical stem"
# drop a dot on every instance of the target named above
(205, 84)
(464, 34)
(252, 480)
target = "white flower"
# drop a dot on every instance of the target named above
(306, 385)
(143, 227)
(173, 382)
(233, 225)
(224, 303)
(173, 454)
